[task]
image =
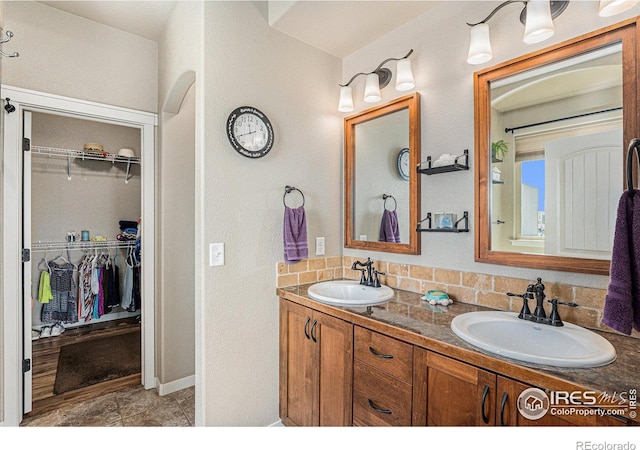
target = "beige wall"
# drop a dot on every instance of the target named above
(178, 59)
(445, 81)
(2, 13)
(248, 63)
(176, 210)
(67, 55)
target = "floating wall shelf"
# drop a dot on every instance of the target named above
(455, 229)
(457, 166)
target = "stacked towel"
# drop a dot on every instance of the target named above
(622, 303)
(389, 231)
(295, 235)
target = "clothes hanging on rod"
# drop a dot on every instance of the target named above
(131, 298)
(62, 307)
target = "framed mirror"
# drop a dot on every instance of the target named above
(382, 186)
(551, 134)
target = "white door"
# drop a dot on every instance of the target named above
(27, 296)
(583, 187)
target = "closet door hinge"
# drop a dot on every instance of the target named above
(26, 365)
(26, 255)
(26, 144)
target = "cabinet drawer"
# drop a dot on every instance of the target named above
(379, 399)
(384, 353)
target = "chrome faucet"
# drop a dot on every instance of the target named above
(539, 315)
(371, 277)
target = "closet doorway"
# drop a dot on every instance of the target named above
(85, 224)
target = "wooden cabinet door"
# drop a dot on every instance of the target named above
(316, 367)
(458, 394)
(334, 341)
(298, 366)
(507, 413)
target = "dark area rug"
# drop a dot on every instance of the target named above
(97, 360)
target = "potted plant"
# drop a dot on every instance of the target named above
(499, 149)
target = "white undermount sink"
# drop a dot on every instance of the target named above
(504, 334)
(349, 293)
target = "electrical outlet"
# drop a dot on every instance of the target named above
(319, 246)
(216, 254)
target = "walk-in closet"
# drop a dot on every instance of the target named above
(85, 245)
(86, 312)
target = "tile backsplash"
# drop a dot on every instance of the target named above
(467, 287)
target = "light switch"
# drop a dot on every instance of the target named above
(319, 246)
(216, 254)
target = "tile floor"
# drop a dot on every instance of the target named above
(131, 407)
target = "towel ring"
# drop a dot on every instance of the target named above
(634, 144)
(395, 203)
(288, 190)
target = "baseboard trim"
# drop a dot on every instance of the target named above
(174, 386)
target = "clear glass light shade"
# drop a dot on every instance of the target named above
(372, 88)
(479, 45)
(539, 24)
(346, 99)
(613, 7)
(404, 75)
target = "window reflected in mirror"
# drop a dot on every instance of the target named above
(556, 191)
(551, 129)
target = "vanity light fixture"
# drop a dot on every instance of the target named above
(376, 80)
(536, 16)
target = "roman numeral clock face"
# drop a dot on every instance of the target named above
(250, 132)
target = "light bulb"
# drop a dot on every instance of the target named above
(372, 89)
(539, 26)
(346, 99)
(479, 45)
(404, 75)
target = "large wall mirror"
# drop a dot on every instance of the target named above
(382, 186)
(551, 132)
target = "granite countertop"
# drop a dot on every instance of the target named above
(411, 319)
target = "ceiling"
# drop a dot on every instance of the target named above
(337, 27)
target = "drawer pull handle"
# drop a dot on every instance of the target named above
(485, 393)
(380, 355)
(505, 397)
(313, 330)
(306, 324)
(380, 410)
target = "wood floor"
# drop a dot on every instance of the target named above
(45, 363)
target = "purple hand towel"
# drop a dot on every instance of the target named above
(622, 303)
(295, 235)
(389, 231)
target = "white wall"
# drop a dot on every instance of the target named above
(440, 41)
(248, 63)
(64, 54)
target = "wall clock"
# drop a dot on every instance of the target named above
(250, 132)
(403, 163)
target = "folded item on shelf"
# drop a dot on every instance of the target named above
(124, 224)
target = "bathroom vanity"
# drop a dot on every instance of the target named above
(399, 363)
